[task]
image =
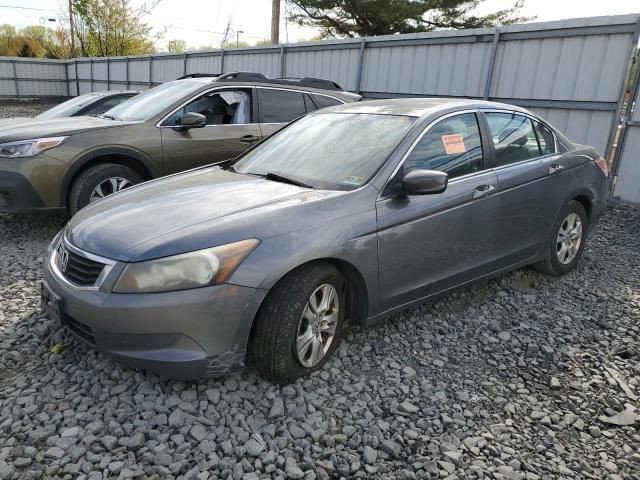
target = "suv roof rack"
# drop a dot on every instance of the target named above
(259, 77)
(198, 75)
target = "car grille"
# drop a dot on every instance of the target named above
(77, 269)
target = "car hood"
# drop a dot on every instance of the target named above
(189, 211)
(14, 129)
(13, 121)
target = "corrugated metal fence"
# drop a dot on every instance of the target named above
(627, 165)
(571, 72)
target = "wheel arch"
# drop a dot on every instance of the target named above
(136, 160)
(357, 294)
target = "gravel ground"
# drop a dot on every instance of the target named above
(25, 108)
(524, 377)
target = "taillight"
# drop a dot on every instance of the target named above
(602, 163)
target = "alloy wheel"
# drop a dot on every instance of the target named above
(108, 187)
(569, 238)
(317, 325)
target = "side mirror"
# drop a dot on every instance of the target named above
(424, 182)
(192, 120)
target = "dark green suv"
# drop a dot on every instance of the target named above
(65, 164)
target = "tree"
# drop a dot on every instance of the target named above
(34, 41)
(111, 27)
(361, 18)
(177, 46)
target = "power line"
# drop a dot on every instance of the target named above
(27, 8)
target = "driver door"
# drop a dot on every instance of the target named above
(429, 243)
(229, 131)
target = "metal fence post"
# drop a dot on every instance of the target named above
(66, 78)
(492, 64)
(108, 73)
(126, 73)
(75, 64)
(184, 66)
(363, 46)
(150, 71)
(91, 69)
(614, 127)
(282, 61)
(222, 61)
(15, 78)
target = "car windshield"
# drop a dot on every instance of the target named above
(152, 102)
(69, 107)
(334, 151)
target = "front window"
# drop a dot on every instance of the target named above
(452, 146)
(334, 151)
(152, 102)
(226, 107)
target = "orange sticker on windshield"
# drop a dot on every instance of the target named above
(453, 144)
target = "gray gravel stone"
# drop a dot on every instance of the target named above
(437, 391)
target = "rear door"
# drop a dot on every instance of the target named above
(429, 243)
(231, 129)
(532, 184)
(278, 106)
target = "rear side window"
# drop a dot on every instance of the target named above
(546, 139)
(322, 102)
(452, 146)
(279, 106)
(513, 137)
(104, 105)
(309, 105)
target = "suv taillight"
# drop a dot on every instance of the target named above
(602, 163)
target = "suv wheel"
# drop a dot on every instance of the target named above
(567, 240)
(300, 324)
(100, 181)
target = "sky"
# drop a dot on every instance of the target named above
(201, 22)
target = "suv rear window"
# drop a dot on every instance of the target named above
(279, 106)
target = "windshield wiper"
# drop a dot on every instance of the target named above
(280, 178)
(110, 117)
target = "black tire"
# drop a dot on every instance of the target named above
(277, 323)
(87, 181)
(551, 264)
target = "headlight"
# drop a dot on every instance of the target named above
(188, 270)
(29, 148)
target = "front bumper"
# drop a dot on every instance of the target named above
(17, 195)
(186, 334)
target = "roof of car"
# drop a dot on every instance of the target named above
(415, 107)
(340, 94)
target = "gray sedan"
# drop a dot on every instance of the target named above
(347, 214)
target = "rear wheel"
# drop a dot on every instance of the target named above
(567, 241)
(300, 324)
(100, 181)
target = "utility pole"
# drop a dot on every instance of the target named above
(275, 22)
(238, 32)
(73, 40)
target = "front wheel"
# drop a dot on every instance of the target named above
(100, 181)
(300, 324)
(567, 241)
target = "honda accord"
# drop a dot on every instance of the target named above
(347, 214)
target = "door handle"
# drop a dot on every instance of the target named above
(483, 191)
(555, 168)
(249, 139)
